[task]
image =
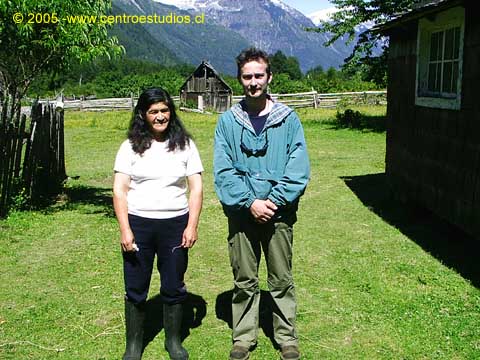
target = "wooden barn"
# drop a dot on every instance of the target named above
(433, 126)
(205, 89)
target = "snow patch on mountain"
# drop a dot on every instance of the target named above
(134, 3)
(282, 5)
(181, 4)
(201, 5)
(322, 15)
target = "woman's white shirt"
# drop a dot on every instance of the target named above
(158, 178)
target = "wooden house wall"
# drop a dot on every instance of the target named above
(220, 101)
(433, 155)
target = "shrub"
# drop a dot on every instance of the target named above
(349, 118)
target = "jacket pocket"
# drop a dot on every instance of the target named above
(261, 187)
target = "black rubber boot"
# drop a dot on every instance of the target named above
(134, 323)
(172, 323)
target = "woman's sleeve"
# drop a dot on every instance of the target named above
(194, 163)
(123, 160)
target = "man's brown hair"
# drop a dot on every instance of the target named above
(252, 54)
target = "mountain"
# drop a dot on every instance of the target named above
(322, 15)
(230, 26)
(271, 25)
(188, 43)
(140, 44)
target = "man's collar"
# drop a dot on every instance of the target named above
(278, 112)
(267, 99)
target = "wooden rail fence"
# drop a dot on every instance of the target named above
(327, 100)
(297, 100)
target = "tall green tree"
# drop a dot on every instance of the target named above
(354, 13)
(282, 64)
(36, 38)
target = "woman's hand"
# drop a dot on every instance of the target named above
(190, 236)
(127, 240)
(195, 200)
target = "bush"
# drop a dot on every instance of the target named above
(20, 199)
(349, 118)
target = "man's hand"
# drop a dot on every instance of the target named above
(262, 210)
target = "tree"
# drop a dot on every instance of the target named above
(36, 37)
(281, 64)
(356, 12)
(315, 72)
(283, 84)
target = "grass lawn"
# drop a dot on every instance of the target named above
(374, 280)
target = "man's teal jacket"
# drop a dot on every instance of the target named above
(280, 173)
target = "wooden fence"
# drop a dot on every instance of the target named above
(32, 161)
(297, 100)
(328, 100)
(103, 104)
(12, 124)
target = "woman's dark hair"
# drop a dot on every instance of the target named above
(139, 132)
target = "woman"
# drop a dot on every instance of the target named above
(152, 169)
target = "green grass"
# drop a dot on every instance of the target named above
(373, 279)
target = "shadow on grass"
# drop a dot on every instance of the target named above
(194, 310)
(359, 121)
(223, 310)
(87, 199)
(444, 241)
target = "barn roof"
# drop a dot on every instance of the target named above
(421, 9)
(209, 66)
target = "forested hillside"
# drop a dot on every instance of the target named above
(123, 76)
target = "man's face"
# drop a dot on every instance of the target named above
(254, 78)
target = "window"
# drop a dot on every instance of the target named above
(443, 63)
(439, 60)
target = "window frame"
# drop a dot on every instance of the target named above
(427, 26)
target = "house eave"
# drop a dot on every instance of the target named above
(415, 15)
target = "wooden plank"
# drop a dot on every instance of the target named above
(5, 175)
(61, 146)
(18, 156)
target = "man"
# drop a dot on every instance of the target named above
(261, 169)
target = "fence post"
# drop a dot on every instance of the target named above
(11, 134)
(61, 145)
(21, 136)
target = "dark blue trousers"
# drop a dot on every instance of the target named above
(163, 238)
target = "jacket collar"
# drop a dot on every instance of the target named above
(278, 112)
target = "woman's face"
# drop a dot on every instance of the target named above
(158, 117)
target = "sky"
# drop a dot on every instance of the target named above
(308, 6)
